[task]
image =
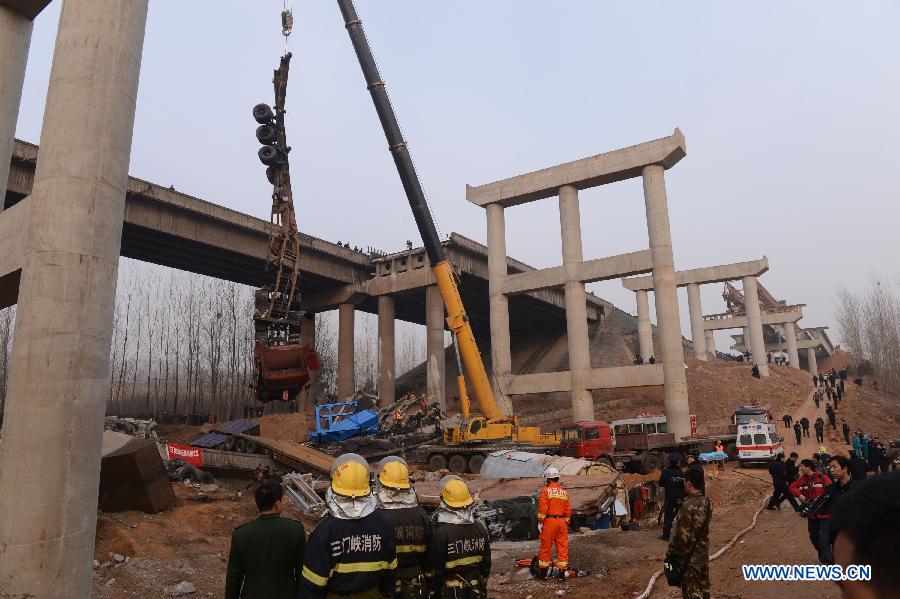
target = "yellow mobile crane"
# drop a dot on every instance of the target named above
(492, 426)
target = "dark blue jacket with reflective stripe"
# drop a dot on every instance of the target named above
(349, 556)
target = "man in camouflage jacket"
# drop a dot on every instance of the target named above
(690, 538)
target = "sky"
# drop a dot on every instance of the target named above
(789, 111)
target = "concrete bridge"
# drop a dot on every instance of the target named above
(167, 227)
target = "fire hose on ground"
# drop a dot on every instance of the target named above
(715, 555)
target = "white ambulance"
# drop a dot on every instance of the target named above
(758, 442)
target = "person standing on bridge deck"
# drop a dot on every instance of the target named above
(780, 488)
(820, 429)
(845, 429)
(804, 422)
(638, 359)
(652, 360)
(798, 432)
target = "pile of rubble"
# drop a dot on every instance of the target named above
(134, 427)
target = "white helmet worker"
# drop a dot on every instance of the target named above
(551, 472)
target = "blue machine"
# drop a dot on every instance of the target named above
(341, 421)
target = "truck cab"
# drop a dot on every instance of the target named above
(758, 442)
(589, 440)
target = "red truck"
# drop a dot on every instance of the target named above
(637, 445)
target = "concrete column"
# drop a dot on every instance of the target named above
(15, 38)
(790, 337)
(346, 368)
(698, 335)
(665, 292)
(710, 344)
(576, 307)
(386, 349)
(501, 357)
(811, 360)
(746, 340)
(645, 330)
(52, 438)
(435, 372)
(754, 323)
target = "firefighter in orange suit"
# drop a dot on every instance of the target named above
(554, 512)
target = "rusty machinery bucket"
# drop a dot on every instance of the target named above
(283, 368)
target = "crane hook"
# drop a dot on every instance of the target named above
(287, 22)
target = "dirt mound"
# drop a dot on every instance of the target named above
(284, 427)
(875, 412)
(840, 359)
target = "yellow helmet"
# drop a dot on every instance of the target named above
(393, 473)
(454, 492)
(350, 476)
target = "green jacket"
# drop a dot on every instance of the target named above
(266, 559)
(692, 528)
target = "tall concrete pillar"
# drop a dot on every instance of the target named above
(790, 338)
(15, 38)
(52, 435)
(745, 331)
(386, 351)
(645, 330)
(435, 372)
(346, 367)
(501, 357)
(710, 344)
(811, 360)
(576, 307)
(698, 335)
(665, 292)
(754, 323)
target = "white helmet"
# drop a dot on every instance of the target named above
(551, 472)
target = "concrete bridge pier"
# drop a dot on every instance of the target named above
(665, 292)
(576, 309)
(15, 38)
(346, 368)
(811, 360)
(645, 329)
(710, 344)
(501, 355)
(754, 323)
(790, 338)
(52, 438)
(435, 355)
(386, 351)
(698, 335)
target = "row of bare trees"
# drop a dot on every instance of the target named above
(183, 344)
(869, 325)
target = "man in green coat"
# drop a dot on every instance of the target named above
(266, 554)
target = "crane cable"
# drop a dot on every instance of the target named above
(287, 23)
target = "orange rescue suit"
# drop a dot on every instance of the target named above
(554, 512)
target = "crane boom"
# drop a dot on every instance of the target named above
(457, 319)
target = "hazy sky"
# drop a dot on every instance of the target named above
(789, 109)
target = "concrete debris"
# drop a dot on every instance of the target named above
(182, 588)
(118, 558)
(96, 564)
(110, 582)
(178, 470)
(132, 475)
(134, 427)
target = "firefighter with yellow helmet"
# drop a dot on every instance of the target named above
(351, 553)
(461, 549)
(398, 503)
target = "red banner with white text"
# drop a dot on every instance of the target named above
(191, 455)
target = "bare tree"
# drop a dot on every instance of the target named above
(7, 325)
